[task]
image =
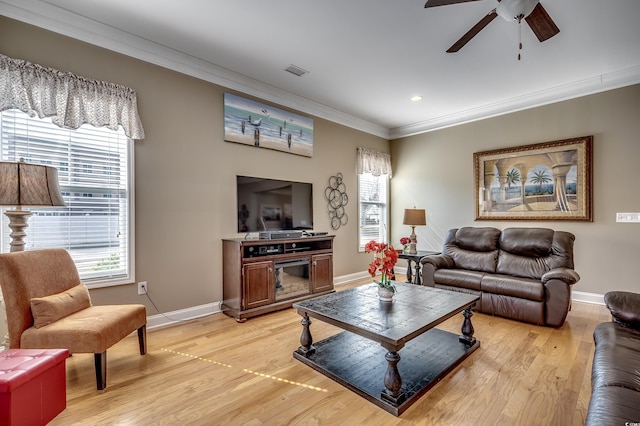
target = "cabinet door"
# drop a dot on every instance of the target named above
(322, 272)
(257, 284)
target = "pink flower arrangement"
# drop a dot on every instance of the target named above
(384, 260)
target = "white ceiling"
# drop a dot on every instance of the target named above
(365, 58)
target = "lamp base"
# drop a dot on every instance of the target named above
(413, 247)
(18, 222)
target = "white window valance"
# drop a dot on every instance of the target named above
(68, 99)
(374, 162)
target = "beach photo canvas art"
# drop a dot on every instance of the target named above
(253, 123)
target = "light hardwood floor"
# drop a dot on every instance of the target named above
(214, 371)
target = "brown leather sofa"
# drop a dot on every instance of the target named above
(615, 374)
(521, 273)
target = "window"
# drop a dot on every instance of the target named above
(372, 203)
(95, 174)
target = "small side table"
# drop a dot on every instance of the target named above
(411, 277)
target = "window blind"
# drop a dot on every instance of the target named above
(94, 175)
(372, 202)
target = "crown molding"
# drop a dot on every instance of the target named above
(44, 15)
(53, 18)
(589, 86)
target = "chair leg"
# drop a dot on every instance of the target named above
(101, 369)
(142, 339)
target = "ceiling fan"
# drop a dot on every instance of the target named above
(511, 10)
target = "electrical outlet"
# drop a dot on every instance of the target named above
(142, 288)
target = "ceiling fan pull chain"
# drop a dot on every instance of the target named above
(519, 35)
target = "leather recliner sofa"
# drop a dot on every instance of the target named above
(615, 374)
(524, 274)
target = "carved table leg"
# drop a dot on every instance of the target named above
(467, 328)
(306, 341)
(409, 271)
(392, 380)
(417, 276)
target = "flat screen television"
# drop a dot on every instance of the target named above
(273, 205)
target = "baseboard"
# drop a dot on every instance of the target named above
(581, 296)
(187, 314)
(346, 279)
(174, 317)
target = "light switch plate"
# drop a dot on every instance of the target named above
(628, 217)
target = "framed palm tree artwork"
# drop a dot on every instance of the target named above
(544, 181)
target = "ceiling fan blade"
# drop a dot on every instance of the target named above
(541, 23)
(434, 3)
(473, 31)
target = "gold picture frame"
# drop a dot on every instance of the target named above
(544, 181)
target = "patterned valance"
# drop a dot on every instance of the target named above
(374, 162)
(68, 99)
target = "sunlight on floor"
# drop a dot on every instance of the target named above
(266, 376)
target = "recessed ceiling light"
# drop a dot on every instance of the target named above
(416, 98)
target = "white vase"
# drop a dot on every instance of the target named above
(385, 295)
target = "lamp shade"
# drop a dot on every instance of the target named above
(24, 184)
(414, 217)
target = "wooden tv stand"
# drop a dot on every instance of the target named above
(261, 276)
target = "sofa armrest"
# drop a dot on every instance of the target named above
(430, 264)
(567, 275)
(624, 307)
(439, 261)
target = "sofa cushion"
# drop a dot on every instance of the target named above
(530, 242)
(48, 309)
(522, 266)
(458, 278)
(617, 357)
(512, 286)
(474, 249)
(513, 307)
(477, 239)
(562, 250)
(477, 307)
(473, 260)
(91, 330)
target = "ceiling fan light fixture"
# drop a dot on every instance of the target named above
(416, 98)
(515, 10)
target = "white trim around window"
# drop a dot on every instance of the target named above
(373, 209)
(96, 177)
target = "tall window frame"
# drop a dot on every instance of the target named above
(374, 171)
(96, 174)
(373, 209)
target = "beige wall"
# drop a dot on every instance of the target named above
(185, 191)
(185, 171)
(435, 171)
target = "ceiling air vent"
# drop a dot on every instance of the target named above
(296, 70)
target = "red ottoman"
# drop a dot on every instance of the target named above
(33, 387)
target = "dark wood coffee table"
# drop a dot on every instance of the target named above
(365, 358)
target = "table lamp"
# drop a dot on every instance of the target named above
(26, 185)
(414, 217)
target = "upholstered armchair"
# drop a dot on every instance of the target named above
(48, 307)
